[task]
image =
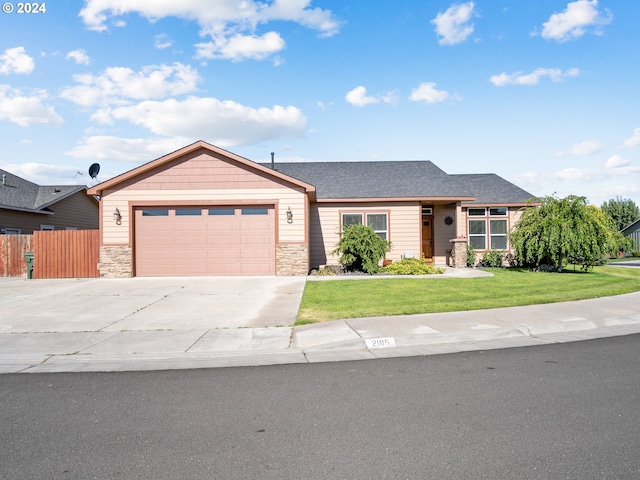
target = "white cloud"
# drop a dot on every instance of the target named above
(79, 56)
(224, 123)
(103, 147)
(575, 21)
(427, 92)
(614, 167)
(634, 140)
(119, 85)
(616, 162)
(26, 110)
(15, 60)
(239, 47)
(587, 147)
(533, 78)
(230, 24)
(162, 41)
(298, 11)
(358, 97)
(453, 26)
(44, 173)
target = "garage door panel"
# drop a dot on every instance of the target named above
(255, 269)
(224, 269)
(257, 239)
(246, 226)
(156, 241)
(189, 240)
(255, 254)
(231, 241)
(223, 255)
(222, 240)
(155, 228)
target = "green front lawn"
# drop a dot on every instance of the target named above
(334, 299)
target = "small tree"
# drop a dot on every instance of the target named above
(562, 230)
(623, 211)
(360, 248)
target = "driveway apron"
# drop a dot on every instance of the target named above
(139, 304)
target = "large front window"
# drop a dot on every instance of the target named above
(378, 221)
(478, 234)
(487, 230)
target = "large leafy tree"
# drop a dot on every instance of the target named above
(564, 229)
(623, 211)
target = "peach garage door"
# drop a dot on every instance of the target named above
(181, 241)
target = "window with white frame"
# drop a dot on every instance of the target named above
(379, 221)
(488, 227)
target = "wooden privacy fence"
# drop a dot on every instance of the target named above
(12, 250)
(66, 254)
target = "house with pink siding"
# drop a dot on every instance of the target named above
(202, 210)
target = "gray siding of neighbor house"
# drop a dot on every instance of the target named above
(633, 232)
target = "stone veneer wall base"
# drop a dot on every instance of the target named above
(292, 259)
(116, 261)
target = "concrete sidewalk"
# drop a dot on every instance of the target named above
(79, 342)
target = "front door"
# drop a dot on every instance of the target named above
(427, 237)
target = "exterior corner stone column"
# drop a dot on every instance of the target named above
(459, 252)
(116, 261)
(292, 259)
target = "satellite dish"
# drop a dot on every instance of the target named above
(93, 170)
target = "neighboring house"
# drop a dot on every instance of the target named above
(25, 206)
(633, 232)
(205, 211)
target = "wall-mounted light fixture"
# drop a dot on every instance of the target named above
(289, 215)
(117, 217)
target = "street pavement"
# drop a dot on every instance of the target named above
(100, 325)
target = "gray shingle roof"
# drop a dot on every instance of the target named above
(400, 179)
(489, 188)
(378, 179)
(18, 193)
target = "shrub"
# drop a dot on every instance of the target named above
(493, 258)
(636, 254)
(325, 272)
(360, 248)
(471, 256)
(411, 266)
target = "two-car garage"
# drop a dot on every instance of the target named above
(202, 210)
(204, 240)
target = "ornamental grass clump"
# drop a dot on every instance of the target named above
(411, 266)
(360, 248)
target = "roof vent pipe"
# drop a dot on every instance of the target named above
(273, 162)
(4, 179)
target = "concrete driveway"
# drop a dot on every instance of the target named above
(116, 305)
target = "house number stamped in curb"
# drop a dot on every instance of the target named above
(380, 342)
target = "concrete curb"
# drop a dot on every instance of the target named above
(319, 351)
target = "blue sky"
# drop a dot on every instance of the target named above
(543, 93)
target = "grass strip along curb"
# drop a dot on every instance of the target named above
(325, 301)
